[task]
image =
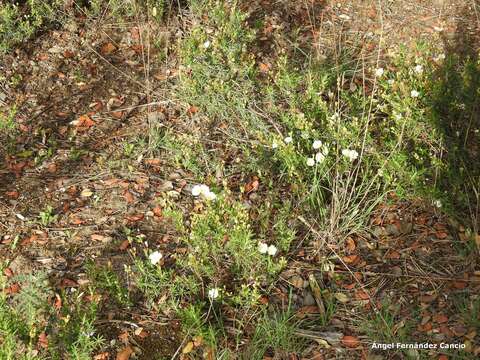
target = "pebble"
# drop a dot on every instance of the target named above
(308, 299)
(392, 229)
(165, 186)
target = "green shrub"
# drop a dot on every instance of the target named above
(19, 23)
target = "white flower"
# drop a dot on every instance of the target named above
(397, 116)
(414, 93)
(196, 190)
(437, 203)
(213, 293)
(204, 191)
(319, 157)
(317, 144)
(262, 248)
(310, 161)
(272, 250)
(209, 196)
(390, 81)
(379, 72)
(274, 145)
(155, 257)
(206, 44)
(350, 154)
(419, 69)
(288, 140)
(440, 57)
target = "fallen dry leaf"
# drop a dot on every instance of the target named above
(264, 68)
(129, 196)
(8, 272)
(309, 309)
(197, 341)
(107, 48)
(83, 123)
(123, 337)
(75, 220)
(350, 245)
(425, 327)
(12, 194)
(441, 234)
(350, 341)
(86, 193)
(187, 348)
(263, 300)
(192, 110)
(446, 331)
(153, 162)
(102, 356)
(157, 211)
(68, 283)
(43, 340)
(125, 353)
(362, 295)
(440, 318)
(124, 245)
(98, 237)
(12, 289)
(67, 54)
(351, 259)
(394, 254)
(117, 114)
(134, 217)
(252, 185)
(57, 304)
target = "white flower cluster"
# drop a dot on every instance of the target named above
(320, 155)
(350, 154)
(418, 69)
(265, 249)
(203, 191)
(287, 141)
(414, 94)
(379, 72)
(213, 293)
(155, 257)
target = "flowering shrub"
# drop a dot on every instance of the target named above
(226, 262)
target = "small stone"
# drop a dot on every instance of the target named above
(406, 227)
(391, 229)
(308, 299)
(165, 186)
(174, 176)
(378, 231)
